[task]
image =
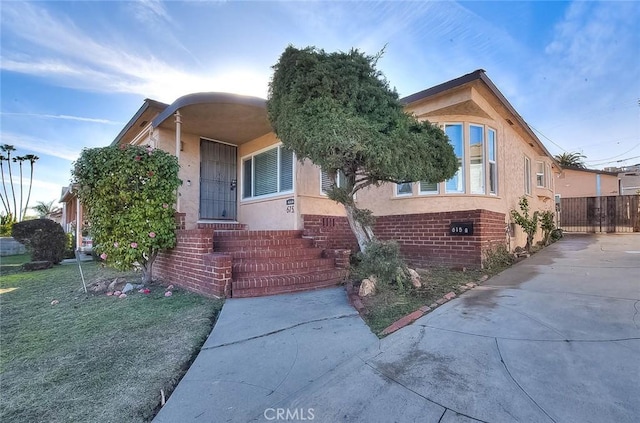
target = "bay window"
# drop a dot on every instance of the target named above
(476, 150)
(454, 132)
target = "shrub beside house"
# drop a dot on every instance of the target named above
(252, 220)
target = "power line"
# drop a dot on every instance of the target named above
(614, 157)
(549, 139)
(618, 161)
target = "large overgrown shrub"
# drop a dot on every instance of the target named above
(44, 237)
(382, 259)
(128, 193)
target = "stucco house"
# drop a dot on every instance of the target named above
(576, 182)
(252, 220)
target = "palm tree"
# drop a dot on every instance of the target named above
(32, 159)
(7, 148)
(5, 204)
(20, 159)
(44, 209)
(571, 160)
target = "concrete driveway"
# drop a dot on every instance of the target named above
(555, 338)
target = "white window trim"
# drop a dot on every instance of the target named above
(494, 161)
(338, 180)
(484, 159)
(463, 159)
(406, 194)
(527, 175)
(543, 174)
(278, 193)
(421, 192)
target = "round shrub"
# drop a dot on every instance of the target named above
(44, 237)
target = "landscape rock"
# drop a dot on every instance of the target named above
(415, 278)
(367, 287)
(99, 286)
(117, 284)
(128, 287)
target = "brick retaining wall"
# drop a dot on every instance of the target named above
(424, 238)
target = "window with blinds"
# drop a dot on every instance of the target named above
(267, 173)
(325, 181)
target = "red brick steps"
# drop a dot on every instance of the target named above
(274, 262)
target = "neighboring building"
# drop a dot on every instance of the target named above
(246, 202)
(576, 182)
(629, 179)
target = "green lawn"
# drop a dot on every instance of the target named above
(92, 358)
(13, 263)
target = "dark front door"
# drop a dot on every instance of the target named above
(218, 181)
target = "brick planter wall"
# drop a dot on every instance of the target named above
(193, 265)
(424, 238)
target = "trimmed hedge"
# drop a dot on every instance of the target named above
(44, 237)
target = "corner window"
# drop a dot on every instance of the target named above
(493, 177)
(454, 132)
(527, 175)
(267, 173)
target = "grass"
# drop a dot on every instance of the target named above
(390, 304)
(13, 263)
(91, 357)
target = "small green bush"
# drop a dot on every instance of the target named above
(70, 247)
(6, 223)
(497, 258)
(44, 237)
(548, 225)
(382, 259)
(556, 234)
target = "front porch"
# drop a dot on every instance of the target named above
(227, 260)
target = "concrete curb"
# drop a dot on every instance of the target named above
(356, 302)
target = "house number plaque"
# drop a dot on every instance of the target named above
(461, 228)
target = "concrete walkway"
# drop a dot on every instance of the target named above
(555, 338)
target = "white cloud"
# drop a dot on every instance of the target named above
(150, 11)
(41, 146)
(81, 61)
(62, 117)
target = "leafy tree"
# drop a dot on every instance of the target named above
(128, 194)
(44, 209)
(12, 211)
(337, 110)
(529, 224)
(571, 160)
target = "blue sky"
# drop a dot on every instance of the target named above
(73, 73)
